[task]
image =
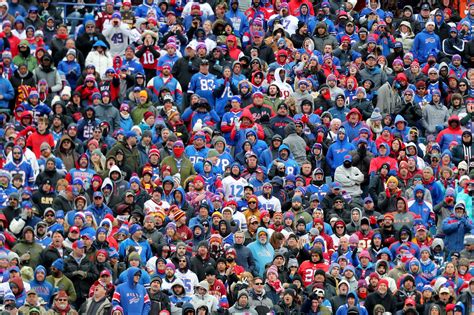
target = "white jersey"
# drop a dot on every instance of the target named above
(271, 205)
(285, 89)
(240, 218)
(165, 285)
(206, 9)
(118, 38)
(290, 24)
(151, 265)
(189, 279)
(29, 157)
(234, 188)
(153, 206)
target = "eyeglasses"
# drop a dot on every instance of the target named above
(17, 153)
(258, 283)
(49, 215)
(338, 201)
(90, 26)
(339, 227)
(104, 276)
(250, 202)
(182, 261)
(254, 223)
(462, 85)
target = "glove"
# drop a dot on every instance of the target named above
(305, 119)
(237, 124)
(25, 257)
(82, 274)
(372, 220)
(23, 216)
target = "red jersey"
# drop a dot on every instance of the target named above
(365, 240)
(149, 59)
(307, 270)
(217, 289)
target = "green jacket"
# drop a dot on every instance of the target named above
(140, 110)
(131, 155)
(187, 168)
(64, 284)
(30, 59)
(273, 103)
(305, 215)
(34, 249)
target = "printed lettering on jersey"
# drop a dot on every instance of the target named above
(236, 190)
(117, 38)
(206, 84)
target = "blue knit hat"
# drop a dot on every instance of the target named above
(134, 179)
(134, 228)
(58, 264)
(9, 296)
(59, 214)
(113, 254)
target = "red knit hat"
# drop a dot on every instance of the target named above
(199, 179)
(154, 150)
(179, 214)
(148, 114)
(384, 281)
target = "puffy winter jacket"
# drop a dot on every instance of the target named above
(449, 134)
(110, 114)
(133, 298)
(455, 229)
(424, 43)
(262, 253)
(337, 151)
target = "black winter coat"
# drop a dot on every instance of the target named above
(50, 254)
(81, 284)
(198, 266)
(388, 302)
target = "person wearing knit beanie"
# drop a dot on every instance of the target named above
(170, 266)
(382, 282)
(272, 269)
(134, 256)
(58, 264)
(392, 179)
(272, 279)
